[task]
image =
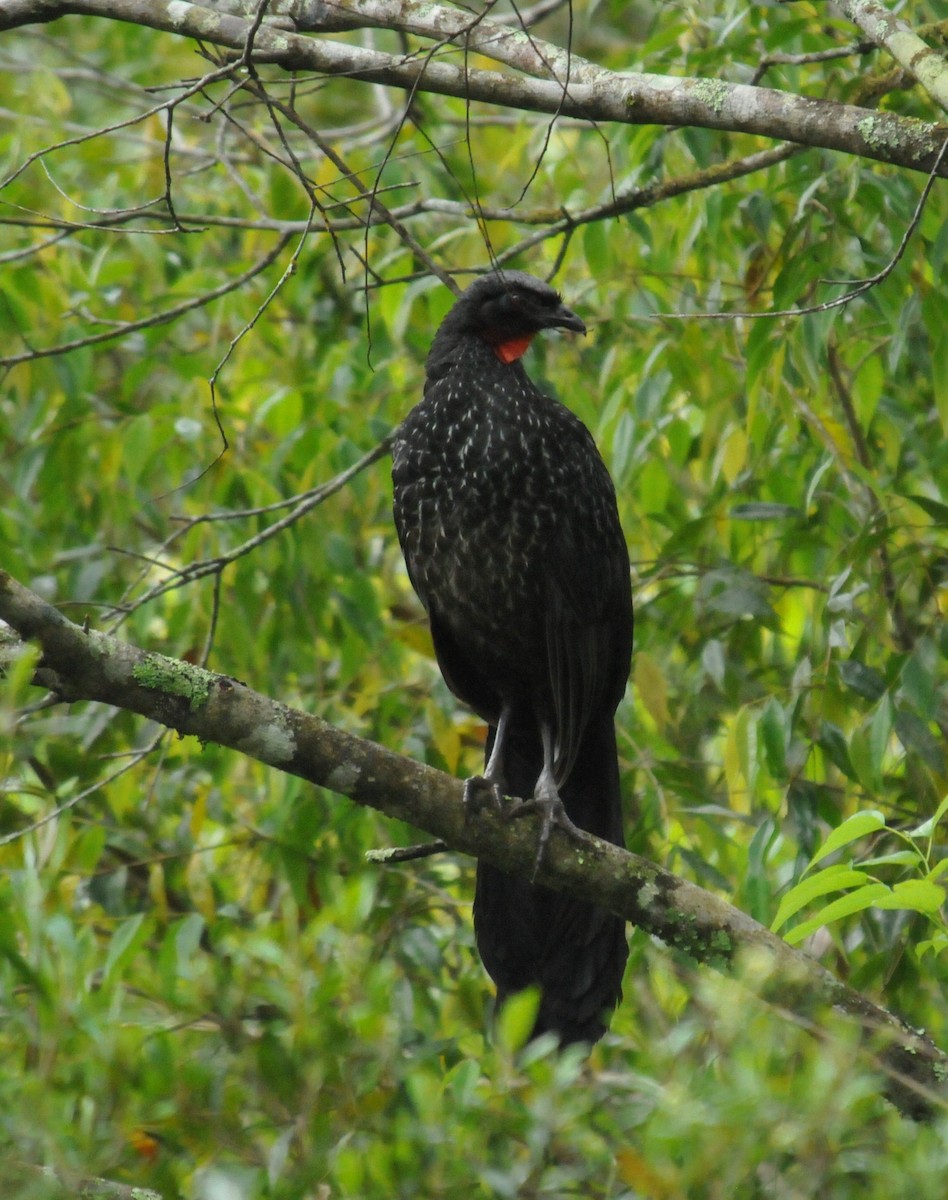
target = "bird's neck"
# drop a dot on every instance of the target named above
(451, 348)
(507, 348)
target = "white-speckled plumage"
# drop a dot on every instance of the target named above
(493, 487)
(508, 521)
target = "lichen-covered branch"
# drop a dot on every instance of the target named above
(924, 63)
(624, 98)
(508, 44)
(81, 664)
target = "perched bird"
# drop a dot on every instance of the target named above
(507, 518)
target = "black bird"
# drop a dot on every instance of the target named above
(507, 519)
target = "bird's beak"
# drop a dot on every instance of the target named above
(565, 318)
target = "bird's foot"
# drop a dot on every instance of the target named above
(553, 815)
(480, 792)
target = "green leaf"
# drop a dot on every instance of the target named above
(773, 730)
(865, 681)
(845, 906)
(516, 1019)
(712, 659)
(831, 739)
(868, 746)
(935, 509)
(29, 978)
(859, 825)
(833, 879)
(879, 732)
(927, 828)
(935, 945)
(816, 478)
(898, 858)
(127, 938)
(918, 895)
(735, 594)
(916, 737)
(596, 248)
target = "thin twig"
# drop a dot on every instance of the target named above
(60, 809)
(210, 566)
(857, 287)
(904, 632)
(400, 854)
(161, 318)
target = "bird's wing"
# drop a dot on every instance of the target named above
(588, 623)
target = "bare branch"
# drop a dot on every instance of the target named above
(632, 99)
(493, 39)
(635, 198)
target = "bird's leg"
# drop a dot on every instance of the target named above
(494, 770)
(546, 800)
(489, 787)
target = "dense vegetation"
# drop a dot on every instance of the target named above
(204, 988)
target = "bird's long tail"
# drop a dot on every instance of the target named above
(529, 935)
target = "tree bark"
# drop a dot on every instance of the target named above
(623, 98)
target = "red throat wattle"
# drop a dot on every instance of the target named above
(509, 349)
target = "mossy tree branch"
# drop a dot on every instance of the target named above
(81, 664)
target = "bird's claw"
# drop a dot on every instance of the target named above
(553, 815)
(482, 792)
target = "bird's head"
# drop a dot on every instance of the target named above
(507, 309)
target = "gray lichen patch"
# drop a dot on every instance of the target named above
(648, 894)
(183, 16)
(881, 133)
(273, 743)
(174, 678)
(712, 92)
(343, 778)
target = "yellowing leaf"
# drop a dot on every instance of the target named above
(734, 455)
(200, 889)
(156, 890)
(652, 688)
(838, 435)
(644, 1178)
(198, 813)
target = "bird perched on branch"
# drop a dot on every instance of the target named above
(507, 519)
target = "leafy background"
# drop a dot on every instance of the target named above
(204, 988)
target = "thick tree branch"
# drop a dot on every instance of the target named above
(512, 46)
(632, 99)
(890, 32)
(80, 664)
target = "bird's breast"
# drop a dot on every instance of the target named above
(485, 486)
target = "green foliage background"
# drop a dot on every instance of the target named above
(203, 987)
